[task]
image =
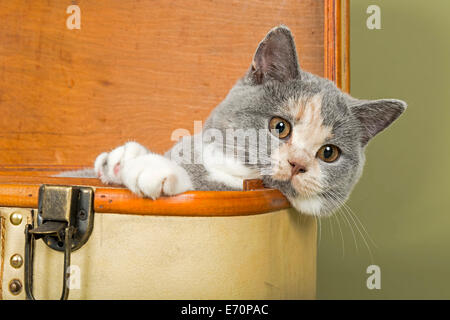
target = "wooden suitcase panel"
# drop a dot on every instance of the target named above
(136, 69)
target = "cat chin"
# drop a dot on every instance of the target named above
(313, 206)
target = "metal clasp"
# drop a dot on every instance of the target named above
(65, 220)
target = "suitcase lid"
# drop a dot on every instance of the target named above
(19, 187)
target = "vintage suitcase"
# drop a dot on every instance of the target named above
(198, 245)
(68, 95)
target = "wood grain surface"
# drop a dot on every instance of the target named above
(337, 42)
(35, 170)
(136, 70)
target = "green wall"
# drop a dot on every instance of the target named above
(403, 198)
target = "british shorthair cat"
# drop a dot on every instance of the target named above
(294, 130)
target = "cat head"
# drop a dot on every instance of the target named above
(321, 132)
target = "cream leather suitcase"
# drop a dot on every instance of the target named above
(198, 245)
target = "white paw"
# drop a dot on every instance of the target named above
(109, 165)
(152, 176)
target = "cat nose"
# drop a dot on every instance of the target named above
(296, 168)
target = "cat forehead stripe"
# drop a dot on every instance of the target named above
(306, 107)
(309, 129)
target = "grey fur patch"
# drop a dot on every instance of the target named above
(83, 173)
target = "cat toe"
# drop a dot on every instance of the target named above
(100, 163)
(151, 183)
(153, 176)
(108, 166)
(133, 150)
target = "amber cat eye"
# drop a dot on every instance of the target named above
(329, 153)
(279, 127)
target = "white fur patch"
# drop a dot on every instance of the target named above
(108, 165)
(144, 173)
(152, 175)
(225, 169)
(311, 206)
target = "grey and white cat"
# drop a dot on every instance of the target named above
(321, 134)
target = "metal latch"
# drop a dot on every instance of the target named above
(65, 220)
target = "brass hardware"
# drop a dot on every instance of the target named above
(15, 286)
(16, 218)
(64, 221)
(16, 261)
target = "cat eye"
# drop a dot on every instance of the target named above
(279, 127)
(329, 153)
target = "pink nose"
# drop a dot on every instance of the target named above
(297, 168)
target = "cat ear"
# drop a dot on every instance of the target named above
(275, 58)
(376, 115)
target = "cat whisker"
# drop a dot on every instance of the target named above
(342, 235)
(331, 228)
(337, 215)
(339, 205)
(348, 210)
(359, 221)
(317, 218)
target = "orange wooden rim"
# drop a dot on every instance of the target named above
(337, 42)
(22, 191)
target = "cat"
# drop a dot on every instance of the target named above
(319, 132)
